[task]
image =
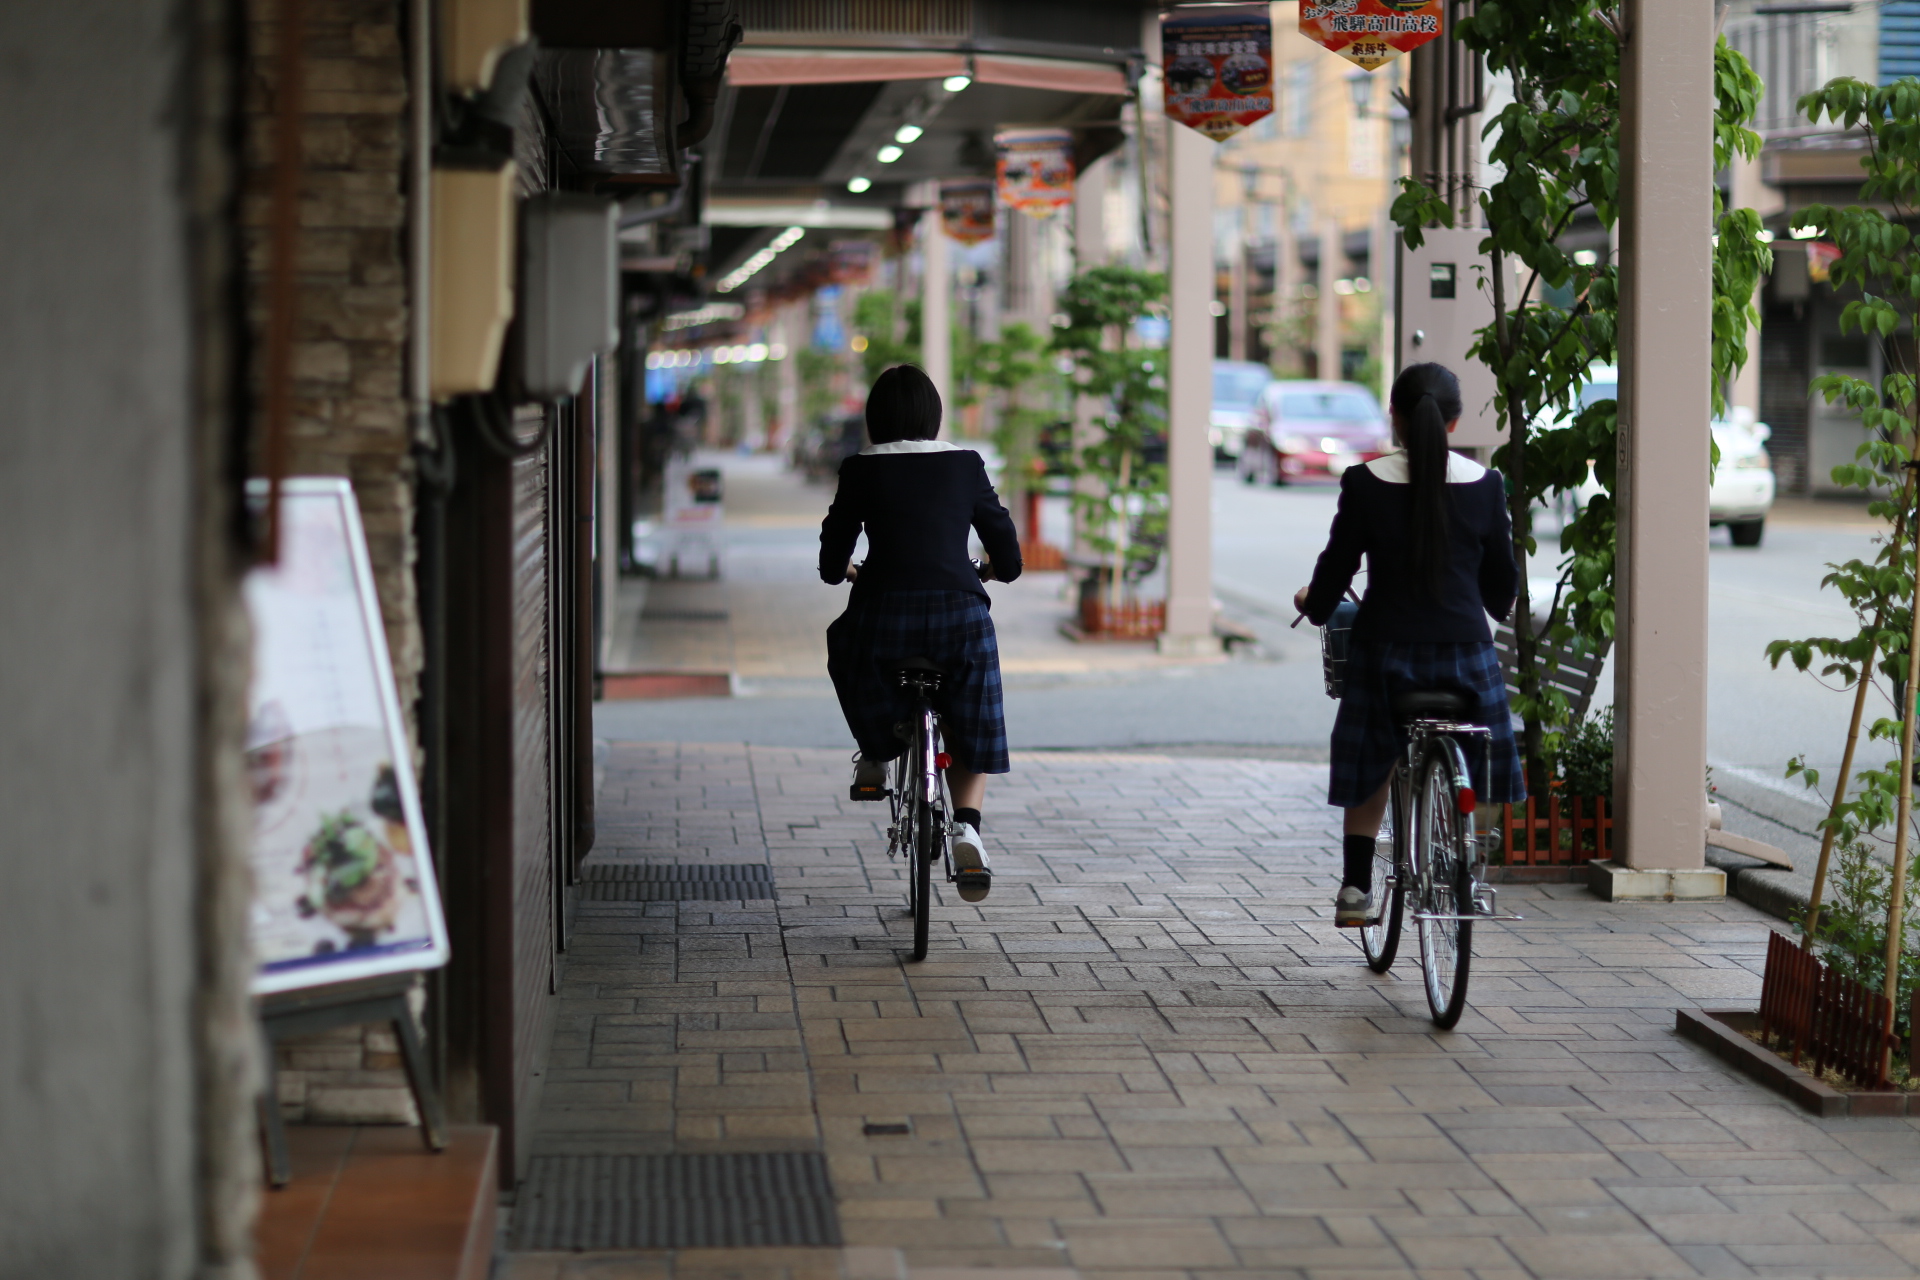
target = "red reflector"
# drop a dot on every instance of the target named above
(942, 760)
(1466, 800)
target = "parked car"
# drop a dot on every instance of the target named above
(1300, 428)
(1237, 385)
(1743, 485)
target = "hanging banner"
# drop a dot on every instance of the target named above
(1370, 33)
(1218, 68)
(1035, 169)
(966, 211)
(850, 261)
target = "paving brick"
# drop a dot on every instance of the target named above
(1148, 1057)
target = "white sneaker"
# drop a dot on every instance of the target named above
(971, 875)
(1350, 908)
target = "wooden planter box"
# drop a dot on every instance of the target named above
(1128, 620)
(1041, 557)
(1565, 831)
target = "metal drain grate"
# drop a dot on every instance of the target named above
(727, 882)
(675, 1202)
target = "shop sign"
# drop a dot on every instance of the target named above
(850, 261)
(1217, 68)
(1035, 169)
(1370, 33)
(343, 885)
(966, 211)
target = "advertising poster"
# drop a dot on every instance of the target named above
(1035, 169)
(1370, 33)
(1218, 67)
(966, 211)
(343, 882)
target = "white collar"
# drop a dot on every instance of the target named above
(1392, 467)
(908, 446)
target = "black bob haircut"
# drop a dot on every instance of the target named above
(903, 405)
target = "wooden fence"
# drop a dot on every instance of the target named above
(1130, 619)
(1571, 830)
(1824, 1016)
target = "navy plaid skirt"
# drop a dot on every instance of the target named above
(1366, 741)
(954, 629)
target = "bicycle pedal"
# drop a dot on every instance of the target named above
(858, 792)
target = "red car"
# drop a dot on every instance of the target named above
(1302, 428)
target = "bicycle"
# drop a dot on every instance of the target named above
(919, 812)
(1430, 849)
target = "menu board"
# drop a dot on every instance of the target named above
(1218, 68)
(1035, 169)
(1370, 33)
(343, 881)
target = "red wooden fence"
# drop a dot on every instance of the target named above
(1824, 1016)
(1131, 619)
(1572, 830)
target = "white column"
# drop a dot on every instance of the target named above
(793, 334)
(1326, 333)
(1089, 250)
(936, 312)
(1660, 685)
(1190, 395)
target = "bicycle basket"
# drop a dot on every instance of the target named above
(1333, 646)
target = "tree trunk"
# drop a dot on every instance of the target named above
(1525, 646)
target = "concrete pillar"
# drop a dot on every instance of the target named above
(793, 335)
(1326, 336)
(1237, 289)
(1190, 396)
(1089, 250)
(1286, 273)
(1660, 684)
(936, 310)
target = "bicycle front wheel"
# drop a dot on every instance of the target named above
(1381, 939)
(1445, 896)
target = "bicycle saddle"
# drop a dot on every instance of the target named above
(1431, 704)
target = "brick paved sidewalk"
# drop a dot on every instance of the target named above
(1150, 1056)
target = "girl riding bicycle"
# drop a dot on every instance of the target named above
(1434, 530)
(918, 595)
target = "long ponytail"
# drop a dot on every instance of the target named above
(1427, 398)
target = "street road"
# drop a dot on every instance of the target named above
(1272, 702)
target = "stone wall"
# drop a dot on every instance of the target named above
(350, 409)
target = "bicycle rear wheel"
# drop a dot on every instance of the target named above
(1381, 939)
(909, 819)
(1445, 891)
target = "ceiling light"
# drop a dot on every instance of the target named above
(858, 183)
(954, 84)
(752, 266)
(907, 133)
(888, 154)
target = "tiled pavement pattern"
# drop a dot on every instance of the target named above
(1148, 1056)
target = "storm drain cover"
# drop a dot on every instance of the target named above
(675, 1202)
(727, 882)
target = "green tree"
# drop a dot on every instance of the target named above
(1557, 143)
(1122, 514)
(877, 317)
(1878, 272)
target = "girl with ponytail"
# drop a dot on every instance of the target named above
(1433, 528)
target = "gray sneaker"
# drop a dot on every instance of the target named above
(1351, 908)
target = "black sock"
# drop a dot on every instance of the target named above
(1358, 853)
(970, 816)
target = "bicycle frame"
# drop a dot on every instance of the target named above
(1426, 737)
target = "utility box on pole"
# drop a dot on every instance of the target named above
(1443, 299)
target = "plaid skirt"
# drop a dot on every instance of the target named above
(952, 628)
(1366, 742)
